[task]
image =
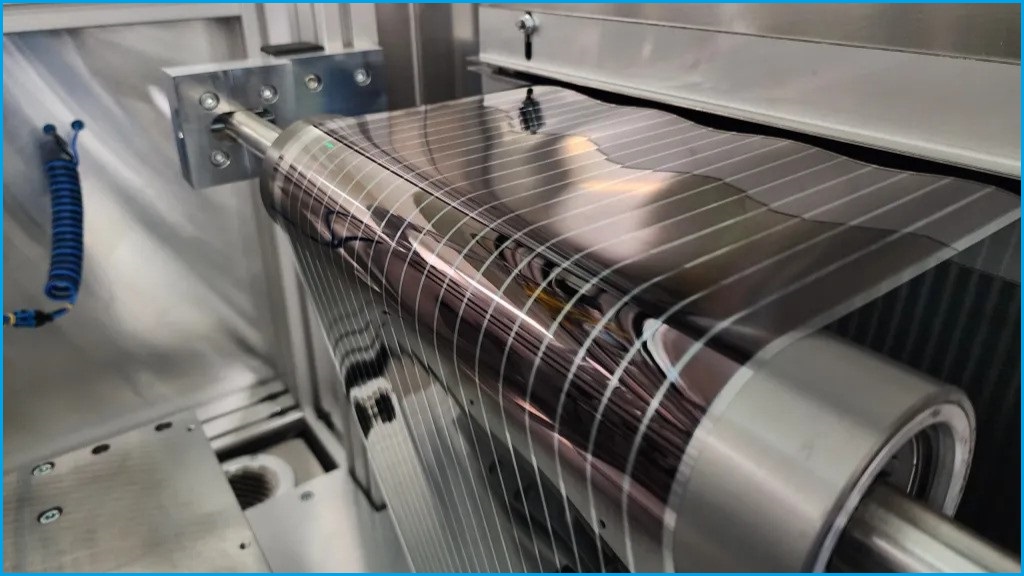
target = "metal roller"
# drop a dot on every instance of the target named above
(629, 301)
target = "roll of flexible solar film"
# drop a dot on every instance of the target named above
(593, 337)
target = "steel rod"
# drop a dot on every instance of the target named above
(891, 532)
(253, 132)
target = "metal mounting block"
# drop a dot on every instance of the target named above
(281, 89)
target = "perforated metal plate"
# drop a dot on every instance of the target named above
(153, 499)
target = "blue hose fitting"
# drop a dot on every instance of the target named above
(66, 246)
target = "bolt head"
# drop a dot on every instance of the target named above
(209, 101)
(43, 469)
(268, 94)
(314, 83)
(361, 76)
(220, 158)
(49, 516)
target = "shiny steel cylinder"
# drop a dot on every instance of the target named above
(796, 445)
(683, 439)
(255, 133)
(890, 533)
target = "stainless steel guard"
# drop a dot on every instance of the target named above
(584, 281)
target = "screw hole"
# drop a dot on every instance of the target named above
(601, 524)
(49, 515)
(100, 448)
(190, 428)
(162, 426)
(209, 101)
(306, 496)
(362, 77)
(43, 469)
(220, 159)
(243, 546)
(314, 83)
(472, 402)
(268, 94)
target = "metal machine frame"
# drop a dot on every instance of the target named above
(780, 67)
(980, 139)
(300, 352)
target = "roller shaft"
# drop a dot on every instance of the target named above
(890, 532)
(253, 132)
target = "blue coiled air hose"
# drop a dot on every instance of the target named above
(66, 251)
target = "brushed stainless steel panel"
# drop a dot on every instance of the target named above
(985, 31)
(154, 500)
(395, 28)
(241, 399)
(174, 309)
(27, 17)
(447, 35)
(249, 415)
(326, 525)
(953, 110)
(426, 47)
